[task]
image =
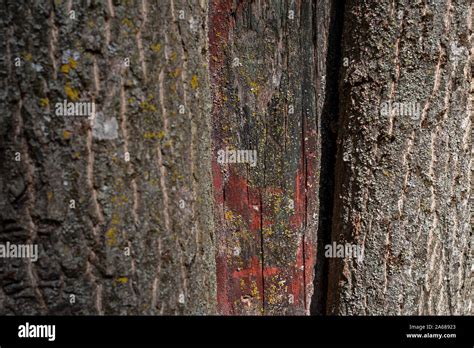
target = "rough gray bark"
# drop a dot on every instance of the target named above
(158, 203)
(402, 187)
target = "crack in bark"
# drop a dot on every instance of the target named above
(329, 118)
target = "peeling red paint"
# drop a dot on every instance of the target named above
(255, 270)
(298, 217)
(243, 200)
(219, 31)
(246, 214)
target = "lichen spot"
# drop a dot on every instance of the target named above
(121, 280)
(156, 47)
(71, 93)
(194, 82)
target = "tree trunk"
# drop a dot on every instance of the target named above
(120, 205)
(263, 68)
(402, 185)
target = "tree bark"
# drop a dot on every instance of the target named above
(137, 176)
(263, 57)
(133, 211)
(402, 181)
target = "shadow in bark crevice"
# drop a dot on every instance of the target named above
(329, 121)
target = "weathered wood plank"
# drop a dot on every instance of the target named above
(262, 69)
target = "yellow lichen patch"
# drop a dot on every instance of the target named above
(115, 219)
(267, 231)
(119, 199)
(272, 296)
(66, 134)
(177, 176)
(173, 56)
(72, 63)
(66, 68)
(229, 216)
(154, 135)
(194, 82)
(76, 155)
(119, 184)
(156, 47)
(121, 280)
(111, 236)
(176, 73)
(128, 23)
(50, 195)
(254, 88)
(147, 106)
(71, 93)
(277, 203)
(154, 182)
(254, 292)
(242, 284)
(28, 57)
(44, 102)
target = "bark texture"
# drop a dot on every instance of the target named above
(158, 204)
(402, 188)
(263, 68)
(134, 213)
(471, 201)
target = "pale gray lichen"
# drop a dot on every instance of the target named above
(104, 128)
